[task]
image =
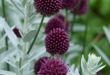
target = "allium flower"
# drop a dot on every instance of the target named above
(98, 73)
(62, 17)
(82, 9)
(53, 24)
(47, 7)
(91, 67)
(57, 41)
(69, 4)
(53, 67)
(39, 63)
(16, 31)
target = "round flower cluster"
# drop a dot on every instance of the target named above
(57, 41)
(69, 4)
(53, 67)
(47, 7)
(53, 24)
(62, 17)
(98, 73)
(82, 9)
(39, 63)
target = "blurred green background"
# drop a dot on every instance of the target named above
(97, 16)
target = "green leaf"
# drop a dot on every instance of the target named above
(9, 32)
(5, 55)
(2, 49)
(30, 35)
(36, 55)
(107, 33)
(24, 2)
(104, 57)
(19, 46)
(7, 72)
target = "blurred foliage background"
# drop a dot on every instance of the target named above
(97, 16)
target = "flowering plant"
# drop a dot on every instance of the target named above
(36, 38)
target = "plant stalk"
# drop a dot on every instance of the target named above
(65, 20)
(36, 35)
(6, 38)
(85, 36)
(74, 19)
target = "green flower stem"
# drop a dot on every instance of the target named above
(65, 20)
(85, 33)
(85, 36)
(35, 36)
(72, 25)
(74, 19)
(6, 39)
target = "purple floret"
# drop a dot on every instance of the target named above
(16, 31)
(53, 24)
(53, 67)
(39, 63)
(57, 41)
(82, 9)
(69, 4)
(47, 7)
(62, 17)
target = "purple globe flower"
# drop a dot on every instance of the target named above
(47, 7)
(39, 63)
(53, 24)
(69, 4)
(62, 17)
(82, 9)
(98, 73)
(16, 31)
(53, 67)
(57, 41)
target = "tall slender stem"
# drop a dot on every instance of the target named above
(6, 39)
(85, 36)
(72, 25)
(65, 20)
(74, 19)
(36, 35)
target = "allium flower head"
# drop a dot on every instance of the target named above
(69, 4)
(39, 63)
(98, 73)
(82, 9)
(47, 7)
(53, 24)
(62, 17)
(16, 31)
(57, 41)
(53, 67)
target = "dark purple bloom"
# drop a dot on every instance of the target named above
(53, 67)
(53, 24)
(82, 9)
(62, 17)
(39, 63)
(69, 4)
(47, 7)
(57, 41)
(16, 31)
(98, 73)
